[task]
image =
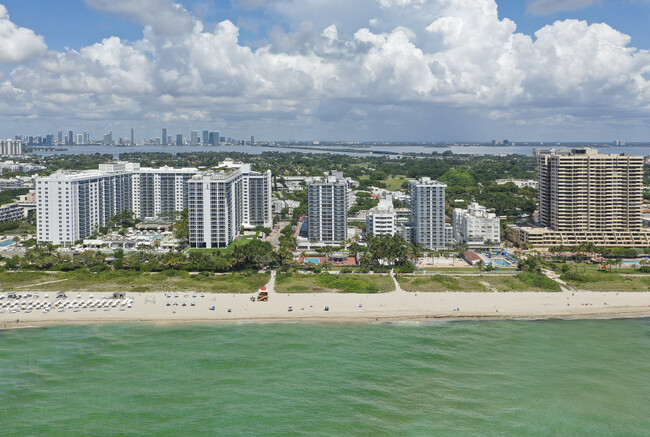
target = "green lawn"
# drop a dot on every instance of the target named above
(485, 283)
(452, 270)
(394, 183)
(603, 281)
(324, 283)
(109, 281)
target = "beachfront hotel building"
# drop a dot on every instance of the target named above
(587, 197)
(215, 207)
(327, 207)
(11, 147)
(428, 213)
(476, 226)
(381, 219)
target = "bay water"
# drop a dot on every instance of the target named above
(520, 378)
(345, 149)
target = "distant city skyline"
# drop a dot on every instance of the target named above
(367, 70)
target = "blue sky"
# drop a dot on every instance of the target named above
(329, 69)
(87, 25)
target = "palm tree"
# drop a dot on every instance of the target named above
(327, 250)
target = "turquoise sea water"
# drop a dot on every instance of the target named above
(565, 378)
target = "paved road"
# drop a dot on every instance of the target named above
(275, 235)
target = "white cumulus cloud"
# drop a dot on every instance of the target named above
(421, 56)
(18, 44)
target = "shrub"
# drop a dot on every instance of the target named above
(538, 281)
(408, 268)
(347, 284)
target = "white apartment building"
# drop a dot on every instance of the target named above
(475, 226)
(257, 202)
(160, 190)
(428, 213)
(154, 190)
(520, 183)
(11, 166)
(327, 202)
(215, 208)
(11, 147)
(71, 205)
(381, 219)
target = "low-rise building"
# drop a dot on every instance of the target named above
(381, 219)
(12, 166)
(472, 258)
(520, 183)
(11, 184)
(11, 212)
(475, 226)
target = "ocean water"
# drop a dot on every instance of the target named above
(519, 378)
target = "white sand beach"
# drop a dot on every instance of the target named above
(398, 305)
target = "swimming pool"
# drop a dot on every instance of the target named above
(6, 243)
(500, 262)
(312, 260)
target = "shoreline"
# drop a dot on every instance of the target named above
(393, 307)
(622, 315)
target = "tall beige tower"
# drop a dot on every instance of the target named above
(584, 191)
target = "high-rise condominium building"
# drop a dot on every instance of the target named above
(256, 192)
(86, 138)
(179, 139)
(11, 147)
(194, 138)
(206, 138)
(328, 210)
(70, 139)
(587, 197)
(164, 137)
(80, 139)
(475, 226)
(380, 220)
(108, 139)
(428, 213)
(585, 191)
(60, 137)
(71, 205)
(215, 208)
(155, 191)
